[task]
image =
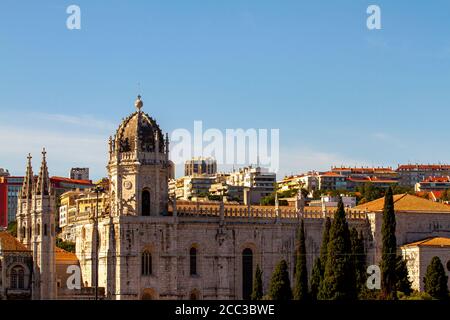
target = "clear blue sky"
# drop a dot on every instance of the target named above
(338, 92)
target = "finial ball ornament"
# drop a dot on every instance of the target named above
(138, 103)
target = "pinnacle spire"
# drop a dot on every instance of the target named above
(27, 186)
(43, 183)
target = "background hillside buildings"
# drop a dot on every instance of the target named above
(433, 184)
(410, 174)
(10, 187)
(199, 166)
(79, 173)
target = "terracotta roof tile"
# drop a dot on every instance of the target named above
(430, 242)
(406, 202)
(63, 255)
(10, 243)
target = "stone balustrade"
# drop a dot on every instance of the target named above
(267, 212)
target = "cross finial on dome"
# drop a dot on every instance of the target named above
(138, 103)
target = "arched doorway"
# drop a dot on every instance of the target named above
(148, 294)
(145, 203)
(247, 273)
(194, 295)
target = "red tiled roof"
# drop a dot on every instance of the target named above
(62, 179)
(430, 242)
(10, 243)
(407, 167)
(362, 169)
(372, 179)
(436, 179)
(331, 174)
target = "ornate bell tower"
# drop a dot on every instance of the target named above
(139, 166)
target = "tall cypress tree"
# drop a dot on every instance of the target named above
(325, 240)
(316, 279)
(435, 280)
(403, 283)
(301, 274)
(319, 264)
(280, 285)
(257, 293)
(339, 278)
(358, 259)
(389, 249)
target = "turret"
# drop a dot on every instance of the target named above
(23, 215)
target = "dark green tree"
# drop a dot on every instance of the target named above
(301, 274)
(389, 249)
(325, 240)
(319, 264)
(435, 280)
(280, 286)
(339, 277)
(403, 283)
(316, 279)
(358, 259)
(65, 245)
(257, 292)
(12, 228)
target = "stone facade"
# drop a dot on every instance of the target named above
(131, 236)
(147, 246)
(418, 256)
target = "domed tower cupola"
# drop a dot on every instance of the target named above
(139, 132)
(139, 166)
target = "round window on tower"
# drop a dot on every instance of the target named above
(127, 185)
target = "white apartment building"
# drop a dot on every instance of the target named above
(258, 181)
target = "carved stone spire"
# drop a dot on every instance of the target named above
(43, 183)
(27, 187)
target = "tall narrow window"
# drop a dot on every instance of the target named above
(17, 278)
(145, 203)
(38, 229)
(21, 279)
(193, 261)
(45, 229)
(13, 279)
(146, 264)
(247, 273)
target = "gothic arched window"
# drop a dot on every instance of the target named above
(24, 232)
(193, 261)
(38, 229)
(17, 277)
(146, 263)
(247, 273)
(145, 203)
